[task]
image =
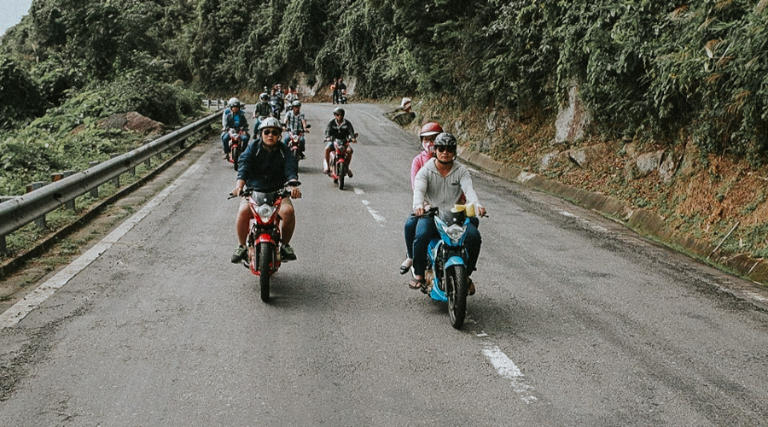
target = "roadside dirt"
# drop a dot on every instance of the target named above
(18, 284)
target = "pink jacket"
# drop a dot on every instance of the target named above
(418, 162)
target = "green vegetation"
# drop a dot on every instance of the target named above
(645, 68)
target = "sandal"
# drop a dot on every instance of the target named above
(471, 288)
(417, 284)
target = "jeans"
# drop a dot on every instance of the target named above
(302, 142)
(225, 141)
(410, 233)
(426, 230)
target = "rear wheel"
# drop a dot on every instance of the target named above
(456, 285)
(341, 172)
(265, 257)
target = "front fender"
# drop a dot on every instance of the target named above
(455, 260)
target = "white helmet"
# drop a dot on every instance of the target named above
(234, 102)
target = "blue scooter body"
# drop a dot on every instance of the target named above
(445, 252)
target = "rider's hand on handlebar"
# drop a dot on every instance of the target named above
(236, 192)
(295, 193)
(418, 212)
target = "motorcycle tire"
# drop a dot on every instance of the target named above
(456, 285)
(235, 156)
(341, 172)
(265, 253)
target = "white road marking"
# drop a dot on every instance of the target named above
(507, 369)
(35, 298)
(377, 216)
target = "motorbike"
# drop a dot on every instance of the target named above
(338, 159)
(343, 96)
(264, 239)
(446, 274)
(277, 107)
(293, 142)
(236, 145)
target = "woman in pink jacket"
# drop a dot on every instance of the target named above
(427, 135)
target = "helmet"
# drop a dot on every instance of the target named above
(429, 129)
(264, 97)
(445, 139)
(339, 110)
(270, 122)
(296, 103)
(234, 102)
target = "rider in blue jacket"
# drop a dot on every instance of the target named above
(233, 118)
(266, 166)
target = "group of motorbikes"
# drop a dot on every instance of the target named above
(447, 275)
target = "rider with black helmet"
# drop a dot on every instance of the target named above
(339, 128)
(261, 111)
(440, 183)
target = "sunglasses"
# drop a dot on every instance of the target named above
(442, 148)
(275, 132)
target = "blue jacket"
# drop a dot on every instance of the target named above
(228, 120)
(265, 171)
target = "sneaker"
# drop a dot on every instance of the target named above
(226, 156)
(287, 254)
(406, 265)
(349, 173)
(302, 156)
(241, 254)
(326, 172)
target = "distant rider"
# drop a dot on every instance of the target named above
(233, 118)
(266, 166)
(261, 111)
(296, 123)
(339, 128)
(440, 183)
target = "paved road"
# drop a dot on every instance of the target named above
(576, 322)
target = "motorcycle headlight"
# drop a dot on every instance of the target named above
(265, 212)
(455, 232)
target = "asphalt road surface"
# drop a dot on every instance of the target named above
(576, 321)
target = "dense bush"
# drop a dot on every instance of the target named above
(646, 68)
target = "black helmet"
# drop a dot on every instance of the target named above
(339, 110)
(445, 139)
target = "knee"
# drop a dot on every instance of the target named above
(287, 212)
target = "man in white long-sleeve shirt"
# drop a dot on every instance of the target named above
(440, 183)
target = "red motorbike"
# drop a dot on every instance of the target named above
(338, 159)
(236, 145)
(263, 240)
(293, 143)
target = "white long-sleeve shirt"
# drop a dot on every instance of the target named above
(430, 187)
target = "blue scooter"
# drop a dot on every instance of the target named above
(446, 272)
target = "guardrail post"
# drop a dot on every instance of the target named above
(115, 180)
(39, 222)
(208, 103)
(94, 191)
(3, 246)
(58, 176)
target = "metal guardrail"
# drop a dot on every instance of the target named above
(21, 210)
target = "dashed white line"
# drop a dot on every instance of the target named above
(377, 216)
(507, 369)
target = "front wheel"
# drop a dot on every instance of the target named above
(341, 172)
(235, 155)
(265, 257)
(456, 286)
